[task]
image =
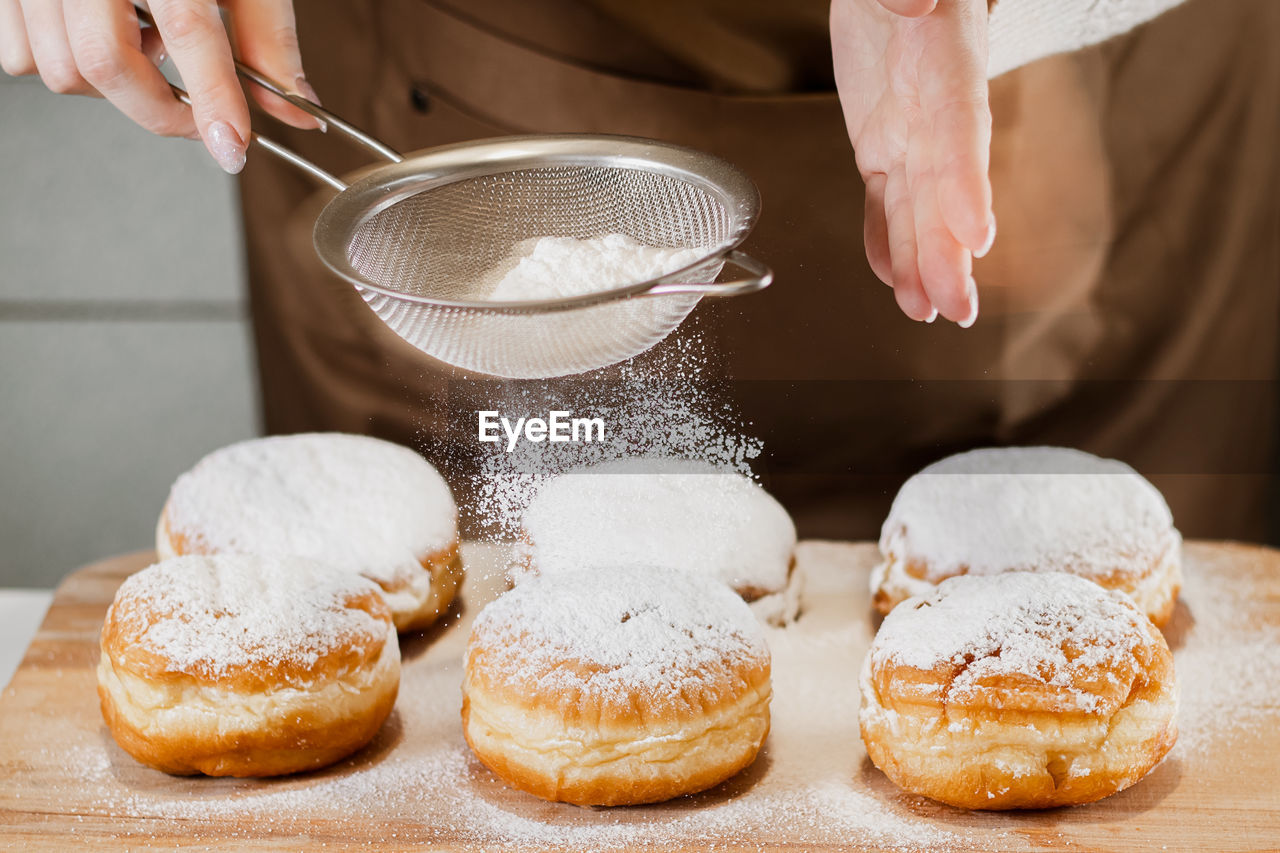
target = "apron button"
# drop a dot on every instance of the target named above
(420, 100)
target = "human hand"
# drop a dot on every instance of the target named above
(912, 80)
(98, 48)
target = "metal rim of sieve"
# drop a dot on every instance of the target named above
(374, 189)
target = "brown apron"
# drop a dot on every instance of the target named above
(1130, 306)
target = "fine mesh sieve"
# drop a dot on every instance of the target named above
(421, 239)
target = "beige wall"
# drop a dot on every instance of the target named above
(124, 347)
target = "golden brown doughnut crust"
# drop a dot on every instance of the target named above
(1155, 589)
(557, 724)
(291, 711)
(604, 767)
(422, 603)
(416, 602)
(1055, 734)
(296, 738)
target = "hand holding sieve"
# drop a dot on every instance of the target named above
(419, 238)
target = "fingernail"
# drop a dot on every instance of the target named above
(161, 58)
(990, 238)
(226, 146)
(303, 88)
(933, 315)
(973, 306)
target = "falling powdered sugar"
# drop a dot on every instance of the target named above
(559, 267)
(666, 403)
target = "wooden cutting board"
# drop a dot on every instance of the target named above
(64, 782)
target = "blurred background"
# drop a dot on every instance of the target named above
(125, 352)
(124, 342)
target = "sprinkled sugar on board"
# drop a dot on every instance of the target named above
(62, 780)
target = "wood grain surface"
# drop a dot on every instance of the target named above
(64, 783)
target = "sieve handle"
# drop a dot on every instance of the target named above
(286, 154)
(309, 107)
(313, 109)
(759, 277)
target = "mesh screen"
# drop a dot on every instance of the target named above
(448, 242)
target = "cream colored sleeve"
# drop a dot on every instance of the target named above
(1022, 31)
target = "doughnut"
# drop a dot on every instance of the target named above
(369, 506)
(1024, 690)
(660, 511)
(1030, 509)
(239, 665)
(612, 687)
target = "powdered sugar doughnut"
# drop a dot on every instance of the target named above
(613, 687)
(1027, 690)
(1031, 509)
(649, 511)
(369, 506)
(238, 665)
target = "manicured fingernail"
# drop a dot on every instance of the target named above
(990, 238)
(303, 88)
(226, 146)
(973, 306)
(933, 315)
